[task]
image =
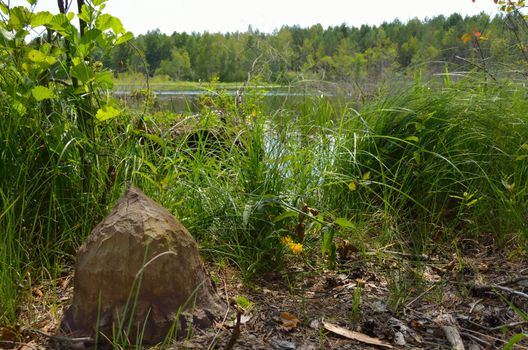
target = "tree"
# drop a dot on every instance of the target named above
(156, 47)
(178, 67)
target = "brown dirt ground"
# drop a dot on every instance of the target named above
(397, 299)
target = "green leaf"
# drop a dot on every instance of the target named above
(106, 113)
(524, 146)
(19, 107)
(40, 19)
(117, 26)
(124, 38)
(104, 79)
(32, 2)
(152, 167)
(50, 60)
(417, 157)
(82, 71)
(4, 8)
(42, 93)
(514, 340)
(366, 176)
(472, 203)
(285, 215)
(83, 50)
(37, 56)
(148, 178)
(155, 138)
(412, 138)
(106, 21)
(248, 209)
(329, 245)
(86, 14)
(244, 303)
(352, 186)
(61, 24)
(328, 239)
(90, 36)
(18, 17)
(98, 2)
(6, 36)
(21, 34)
(344, 222)
(524, 156)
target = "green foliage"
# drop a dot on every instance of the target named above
(56, 177)
(443, 159)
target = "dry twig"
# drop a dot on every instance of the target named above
(466, 330)
(61, 338)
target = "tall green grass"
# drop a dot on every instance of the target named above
(439, 160)
(44, 212)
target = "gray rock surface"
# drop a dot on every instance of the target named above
(139, 272)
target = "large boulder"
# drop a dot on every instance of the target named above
(139, 274)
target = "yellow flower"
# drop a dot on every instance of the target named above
(286, 240)
(295, 248)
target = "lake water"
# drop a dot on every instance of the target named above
(182, 101)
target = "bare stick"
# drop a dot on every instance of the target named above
(448, 325)
(63, 338)
(495, 287)
(420, 296)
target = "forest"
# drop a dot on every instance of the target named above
(340, 54)
(392, 213)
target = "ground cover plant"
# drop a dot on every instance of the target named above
(293, 195)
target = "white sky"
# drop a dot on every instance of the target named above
(169, 16)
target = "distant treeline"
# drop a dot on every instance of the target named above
(340, 53)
